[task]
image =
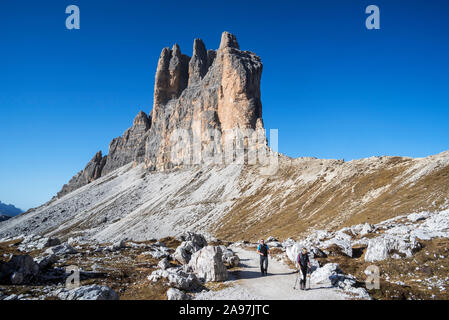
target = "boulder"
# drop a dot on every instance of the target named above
(21, 269)
(293, 251)
(191, 242)
(118, 245)
(317, 253)
(288, 243)
(274, 244)
(321, 235)
(196, 239)
(47, 242)
(185, 281)
(176, 294)
(342, 240)
(380, 248)
(208, 264)
(362, 229)
(159, 252)
(177, 278)
(164, 264)
(328, 275)
(183, 252)
(61, 250)
(17, 278)
(51, 242)
(91, 292)
(47, 261)
(436, 225)
(366, 228)
(230, 259)
(232, 262)
(349, 284)
(77, 240)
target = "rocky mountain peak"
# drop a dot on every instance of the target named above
(228, 40)
(198, 101)
(198, 65)
(171, 75)
(142, 120)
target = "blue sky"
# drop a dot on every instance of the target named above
(333, 88)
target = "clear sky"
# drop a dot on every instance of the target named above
(333, 88)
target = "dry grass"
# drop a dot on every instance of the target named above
(220, 243)
(276, 251)
(289, 263)
(9, 247)
(145, 290)
(170, 242)
(403, 270)
(125, 272)
(326, 205)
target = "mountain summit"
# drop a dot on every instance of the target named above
(201, 104)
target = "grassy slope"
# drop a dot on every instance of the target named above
(329, 194)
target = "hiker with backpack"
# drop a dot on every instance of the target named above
(263, 250)
(304, 264)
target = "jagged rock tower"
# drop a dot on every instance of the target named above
(199, 99)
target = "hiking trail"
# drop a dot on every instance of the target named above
(247, 283)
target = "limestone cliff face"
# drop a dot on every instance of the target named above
(222, 93)
(239, 103)
(171, 75)
(198, 100)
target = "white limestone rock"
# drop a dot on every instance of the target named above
(176, 294)
(61, 249)
(92, 292)
(208, 264)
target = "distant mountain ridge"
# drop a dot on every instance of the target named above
(4, 217)
(9, 209)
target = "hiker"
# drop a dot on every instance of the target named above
(263, 250)
(304, 264)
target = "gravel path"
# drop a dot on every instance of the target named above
(277, 285)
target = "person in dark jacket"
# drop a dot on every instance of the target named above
(263, 250)
(304, 264)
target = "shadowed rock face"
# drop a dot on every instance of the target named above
(91, 172)
(198, 64)
(171, 75)
(205, 95)
(122, 150)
